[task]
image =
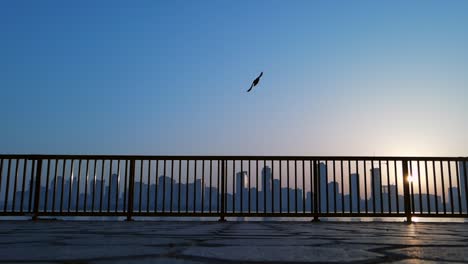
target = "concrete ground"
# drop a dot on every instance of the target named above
(231, 242)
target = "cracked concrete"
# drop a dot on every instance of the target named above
(231, 242)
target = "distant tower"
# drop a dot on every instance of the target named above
(114, 183)
(354, 195)
(242, 185)
(241, 182)
(333, 195)
(453, 199)
(323, 187)
(266, 177)
(462, 175)
(267, 184)
(375, 189)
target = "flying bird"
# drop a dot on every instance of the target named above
(255, 82)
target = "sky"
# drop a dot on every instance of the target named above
(170, 77)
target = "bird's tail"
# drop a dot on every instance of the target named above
(250, 89)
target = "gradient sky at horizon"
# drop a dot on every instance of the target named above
(169, 77)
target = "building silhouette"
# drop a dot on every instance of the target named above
(462, 169)
(241, 191)
(334, 196)
(266, 189)
(323, 187)
(355, 200)
(375, 190)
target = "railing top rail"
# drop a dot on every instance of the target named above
(221, 157)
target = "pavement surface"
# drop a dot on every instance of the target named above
(102, 242)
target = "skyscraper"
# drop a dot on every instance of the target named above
(333, 196)
(266, 185)
(241, 192)
(453, 199)
(354, 195)
(375, 189)
(112, 190)
(323, 186)
(463, 177)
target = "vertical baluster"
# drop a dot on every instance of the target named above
(131, 190)
(435, 187)
(256, 173)
(86, 186)
(250, 187)
(77, 204)
(443, 186)
(179, 189)
(15, 184)
(288, 191)
(342, 187)
(388, 189)
(194, 187)
(406, 190)
(311, 179)
(350, 188)
(458, 189)
(373, 193)
(37, 189)
(125, 198)
(412, 186)
(172, 185)
(295, 186)
(380, 187)
(148, 189)
(187, 188)
(1, 173)
(7, 186)
(316, 180)
(102, 186)
(71, 184)
(64, 163)
(55, 184)
(465, 169)
(156, 181)
(365, 186)
(450, 187)
(117, 191)
(242, 187)
(25, 172)
(358, 187)
(211, 184)
(140, 190)
(223, 198)
(164, 188)
(203, 186)
(427, 188)
(303, 187)
(93, 201)
(396, 187)
(334, 189)
(419, 187)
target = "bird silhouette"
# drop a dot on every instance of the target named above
(255, 82)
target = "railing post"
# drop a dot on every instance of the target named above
(131, 190)
(223, 193)
(37, 189)
(406, 190)
(316, 176)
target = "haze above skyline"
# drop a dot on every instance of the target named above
(340, 78)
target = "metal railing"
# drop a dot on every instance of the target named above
(233, 186)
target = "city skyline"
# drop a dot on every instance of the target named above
(269, 196)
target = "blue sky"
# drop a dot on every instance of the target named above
(169, 77)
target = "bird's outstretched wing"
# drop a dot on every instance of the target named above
(250, 89)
